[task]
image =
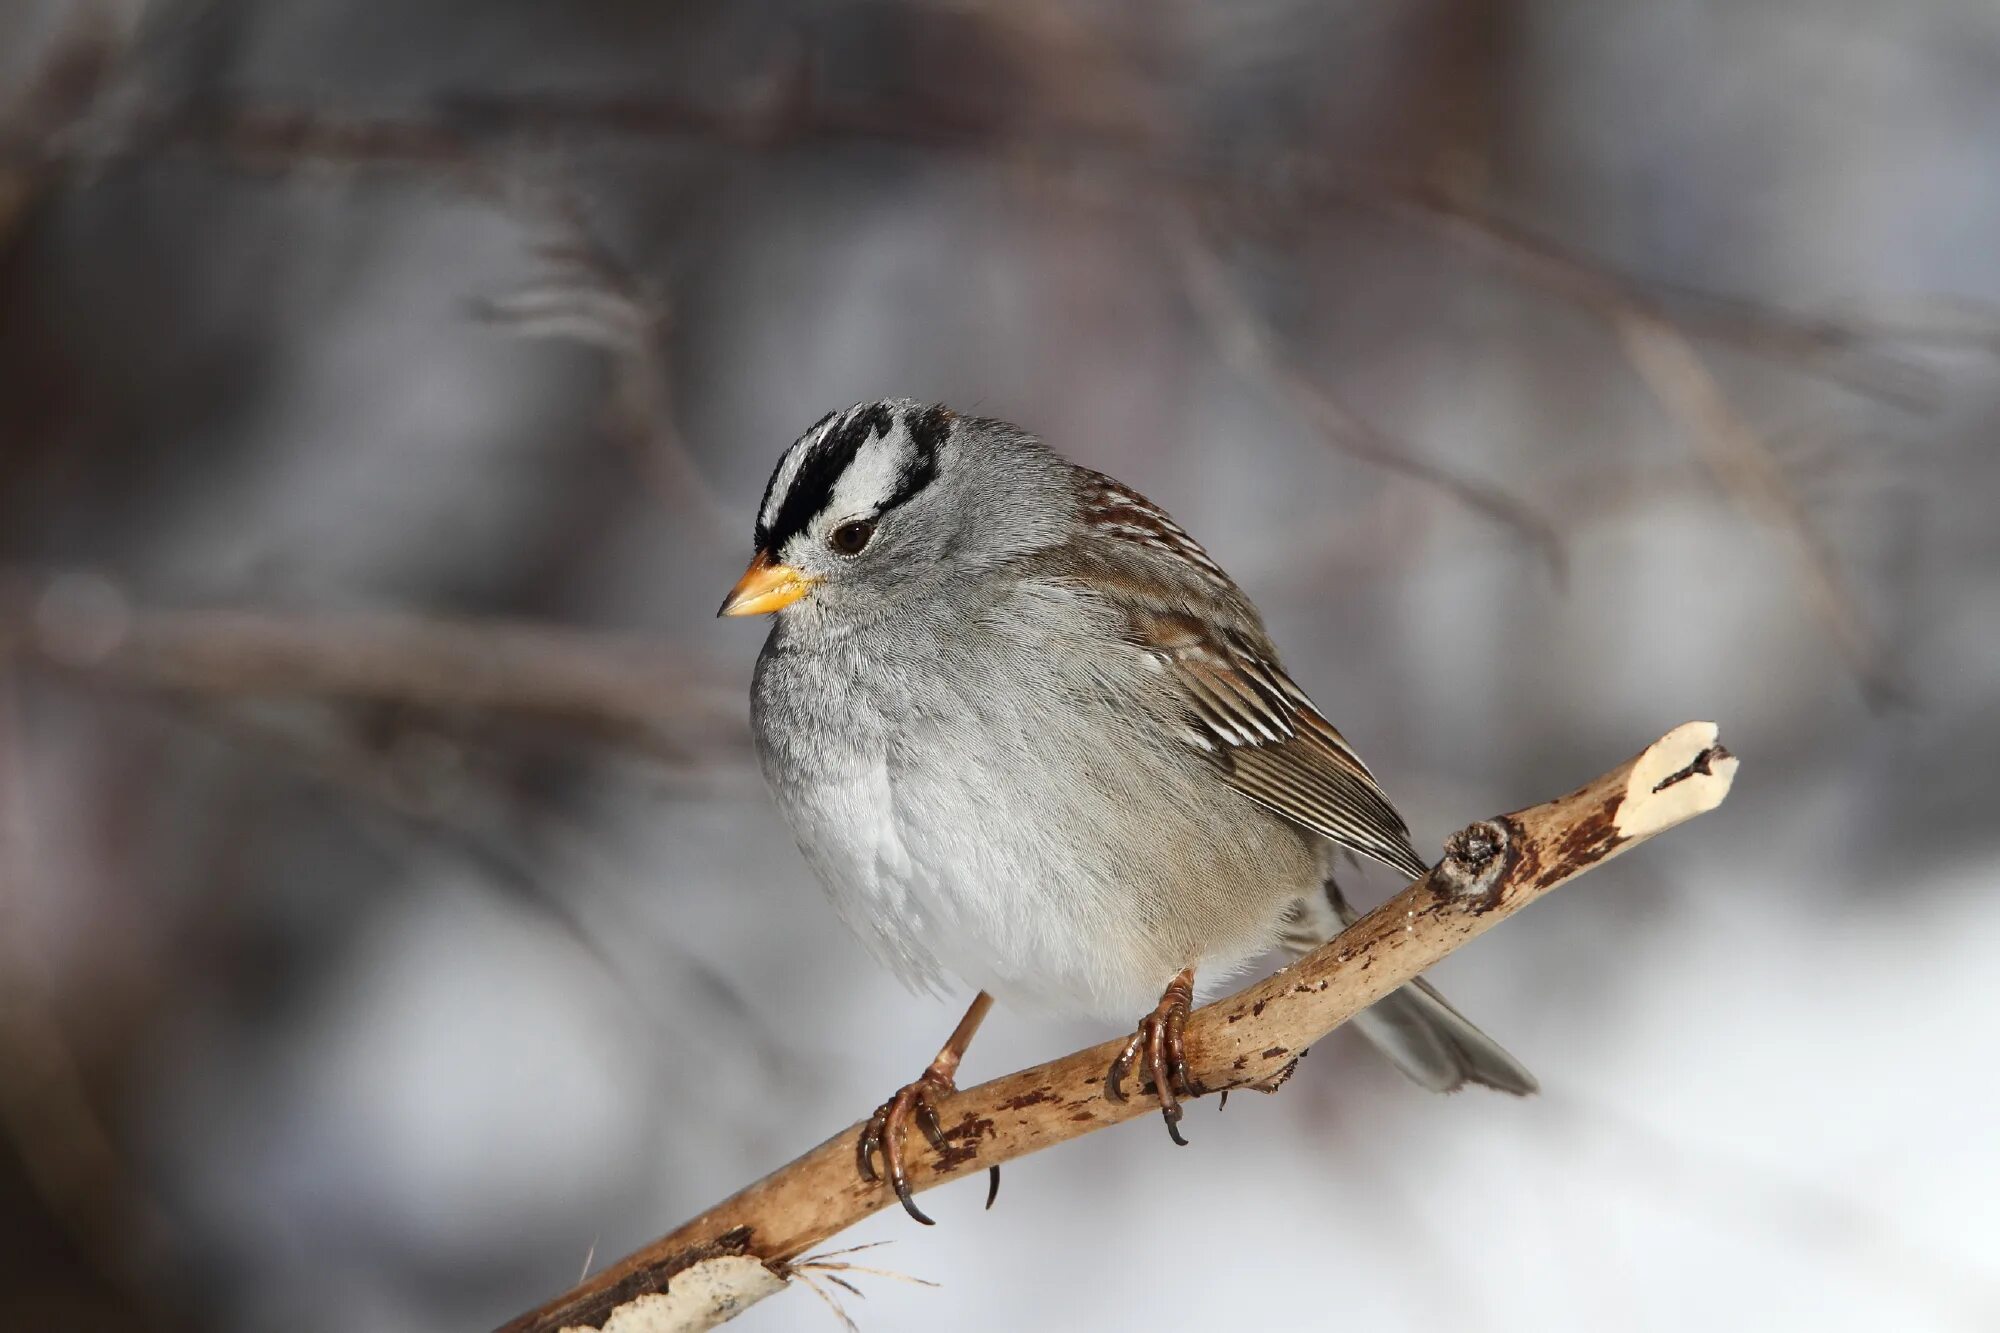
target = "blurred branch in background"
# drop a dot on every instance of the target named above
(492, 145)
(47, 1109)
(616, 688)
(40, 115)
(1849, 352)
(1733, 450)
(589, 296)
(1247, 345)
(1742, 462)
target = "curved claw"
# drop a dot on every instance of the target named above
(887, 1131)
(1159, 1047)
(901, 1184)
(865, 1146)
(1167, 1078)
(927, 1120)
(1114, 1078)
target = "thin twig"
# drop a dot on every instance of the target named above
(828, 1261)
(1248, 345)
(1739, 458)
(593, 297)
(1820, 341)
(813, 1286)
(1733, 450)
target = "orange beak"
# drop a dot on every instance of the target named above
(765, 587)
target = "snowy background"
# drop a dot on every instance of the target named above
(382, 1009)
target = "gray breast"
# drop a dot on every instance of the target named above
(1002, 799)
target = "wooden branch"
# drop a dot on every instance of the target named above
(741, 1250)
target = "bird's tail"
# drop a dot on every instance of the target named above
(1415, 1027)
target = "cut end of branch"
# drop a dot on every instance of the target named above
(1685, 773)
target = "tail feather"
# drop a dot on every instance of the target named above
(1415, 1027)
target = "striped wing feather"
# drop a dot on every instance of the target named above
(1278, 750)
(1244, 712)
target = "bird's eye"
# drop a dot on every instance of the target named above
(849, 538)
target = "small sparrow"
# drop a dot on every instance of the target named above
(1030, 735)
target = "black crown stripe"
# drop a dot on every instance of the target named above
(826, 458)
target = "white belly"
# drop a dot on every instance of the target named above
(936, 891)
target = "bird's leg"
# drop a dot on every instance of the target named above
(1158, 1047)
(890, 1124)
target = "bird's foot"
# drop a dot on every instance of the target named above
(1158, 1049)
(888, 1130)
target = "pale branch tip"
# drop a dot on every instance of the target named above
(743, 1249)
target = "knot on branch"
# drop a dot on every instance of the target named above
(1475, 862)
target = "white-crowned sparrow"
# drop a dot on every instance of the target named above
(1029, 734)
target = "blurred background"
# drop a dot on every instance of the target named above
(392, 922)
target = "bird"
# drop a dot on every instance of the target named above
(1032, 739)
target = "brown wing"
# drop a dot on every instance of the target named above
(1243, 712)
(1274, 746)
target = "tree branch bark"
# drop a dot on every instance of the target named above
(742, 1250)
